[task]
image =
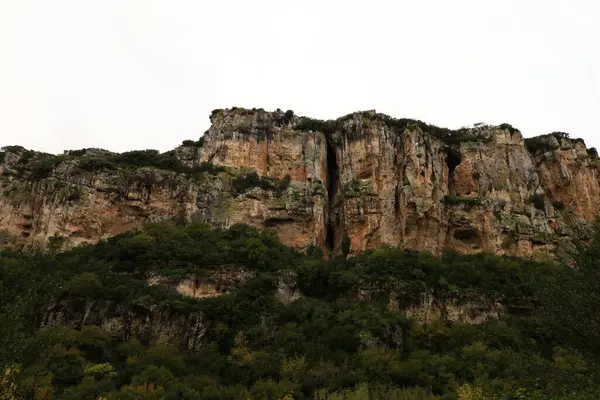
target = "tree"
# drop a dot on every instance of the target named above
(25, 282)
(571, 300)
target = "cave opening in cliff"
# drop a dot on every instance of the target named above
(332, 187)
(453, 160)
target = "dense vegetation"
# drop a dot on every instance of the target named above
(345, 337)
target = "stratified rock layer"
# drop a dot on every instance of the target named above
(356, 183)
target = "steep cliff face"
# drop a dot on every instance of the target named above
(472, 190)
(347, 185)
(266, 143)
(92, 194)
(569, 173)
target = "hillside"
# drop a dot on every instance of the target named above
(188, 312)
(344, 186)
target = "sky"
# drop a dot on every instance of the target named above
(141, 74)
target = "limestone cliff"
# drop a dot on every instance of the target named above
(347, 185)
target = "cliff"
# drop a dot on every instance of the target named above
(347, 185)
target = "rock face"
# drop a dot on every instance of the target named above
(123, 321)
(347, 185)
(431, 308)
(205, 284)
(416, 191)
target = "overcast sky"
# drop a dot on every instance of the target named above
(126, 74)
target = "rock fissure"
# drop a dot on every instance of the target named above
(333, 177)
(453, 160)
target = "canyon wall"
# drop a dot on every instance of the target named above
(356, 183)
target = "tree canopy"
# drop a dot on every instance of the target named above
(495, 327)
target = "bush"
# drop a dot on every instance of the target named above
(87, 284)
(456, 200)
(43, 168)
(75, 194)
(91, 164)
(316, 125)
(544, 143)
(538, 200)
(243, 183)
(284, 184)
(77, 153)
(509, 127)
(539, 144)
(191, 143)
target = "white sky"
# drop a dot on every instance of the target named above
(126, 74)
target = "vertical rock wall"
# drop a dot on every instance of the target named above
(359, 182)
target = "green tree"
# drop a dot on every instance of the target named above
(571, 300)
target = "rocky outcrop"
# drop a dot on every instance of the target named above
(153, 323)
(288, 290)
(347, 185)
(206, 283)
(432, 308)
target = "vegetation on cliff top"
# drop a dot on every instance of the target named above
(39, 166)
(398, 125)
(343, 339)
(552, 141)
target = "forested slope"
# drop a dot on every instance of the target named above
(187, 312)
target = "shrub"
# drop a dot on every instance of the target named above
(243, 183)
(559, 205)
(316, 125)
(138, 158)
(287, 117)
(77, 153)
(84, 285)
(284, 184)
(539, 144)
(75, 194)
(538, 200)
(508, 127)
(544, 143)
(91, 164)
(205, 167)
(191, 143)
(456, 200)
(43, 168)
